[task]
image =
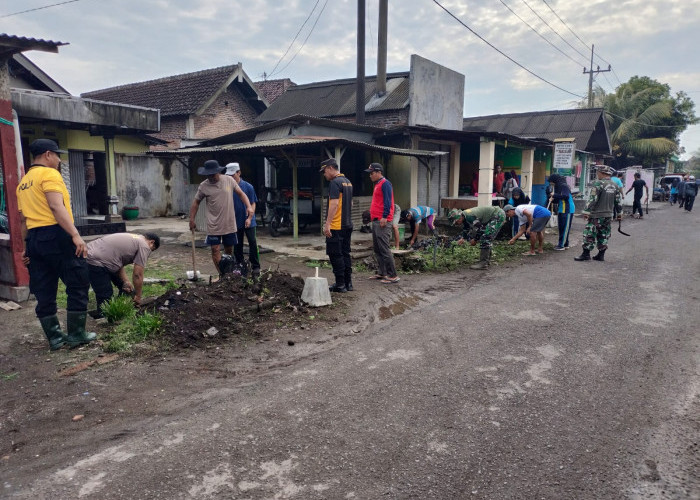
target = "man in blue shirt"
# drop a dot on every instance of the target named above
(234, 170)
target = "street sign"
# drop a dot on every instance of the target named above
(564, 150)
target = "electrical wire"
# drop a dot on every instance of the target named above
(555, 31)
(503, 53)
(540, 34)
(307, 37)
(579, 39)
(38, 8)
(295, 38)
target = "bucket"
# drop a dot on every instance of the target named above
(130, 213)
(402, 232)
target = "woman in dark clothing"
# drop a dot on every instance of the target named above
(561, 196)
(518, 198)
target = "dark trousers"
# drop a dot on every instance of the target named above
(381, 238)
(52, 257)
(689, 200)
(253, 252)
(637, 207)
(338, 251)
(101, 281)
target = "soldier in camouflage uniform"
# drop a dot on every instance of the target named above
(482, 224)
(603, 199)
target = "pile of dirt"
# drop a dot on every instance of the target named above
(199, 315)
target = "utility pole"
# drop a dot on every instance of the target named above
(382, 35)
(360, 90)
(590, 77)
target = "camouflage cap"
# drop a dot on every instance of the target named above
(604, 169)
(454, 215)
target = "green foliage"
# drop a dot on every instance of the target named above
(133, 330)
(118, 308)
(9, 376)
(323, 264)
(645, 121)
(460, 256)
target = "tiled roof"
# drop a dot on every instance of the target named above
(337, 98)
(586, 126)
(272, 89)
(173, 95)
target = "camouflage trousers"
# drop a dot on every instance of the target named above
(596, 233)
(489, 232)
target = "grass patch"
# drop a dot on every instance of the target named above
(118, 308)
(458, 256)
(134, 329)
(9, 376)
(323, 264)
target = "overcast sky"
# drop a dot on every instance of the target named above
(114, 42)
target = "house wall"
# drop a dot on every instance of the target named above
(157, 185)
(172, 129)
(227, 114)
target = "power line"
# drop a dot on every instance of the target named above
(555, 31)
(540, 35)
(38, 8)
(503, 53)
(579, 38)
(307, 37)
(295, 38)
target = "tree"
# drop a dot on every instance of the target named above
(645, 121)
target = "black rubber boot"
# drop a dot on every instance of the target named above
(484, 259)
(75, 324)
(348, 285)
(601, 256)
(585, 255)
(338, 288)
(52, 329)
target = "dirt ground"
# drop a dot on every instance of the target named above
(51, 399)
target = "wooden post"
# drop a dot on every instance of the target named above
(8, 163)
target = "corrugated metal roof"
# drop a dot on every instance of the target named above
(337, 98)
(12, 44)
(272, 144)
(586, 126)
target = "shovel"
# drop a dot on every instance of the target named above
(193, 274)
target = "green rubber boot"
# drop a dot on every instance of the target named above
(483, 260)
(52, 329)
(76, 329)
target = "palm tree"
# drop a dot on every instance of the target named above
(638, 125)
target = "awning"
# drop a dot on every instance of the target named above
(270, 145)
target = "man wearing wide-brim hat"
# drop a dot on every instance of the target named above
(221, 218)
(604, 198)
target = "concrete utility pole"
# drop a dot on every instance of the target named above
(360, 91)
(590, 77)
(382, 36)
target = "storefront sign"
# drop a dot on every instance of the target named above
(564, 150)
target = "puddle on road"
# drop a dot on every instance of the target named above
(399, 307)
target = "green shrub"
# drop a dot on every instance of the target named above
(118, 308)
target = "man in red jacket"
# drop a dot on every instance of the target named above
(382, 212)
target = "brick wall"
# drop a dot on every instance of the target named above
(384, 119)
(172, 129)
(229, 113)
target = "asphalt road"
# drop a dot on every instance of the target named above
(552, 379)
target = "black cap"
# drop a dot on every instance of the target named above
(330, 162)
(374, 167)
(41, 146)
